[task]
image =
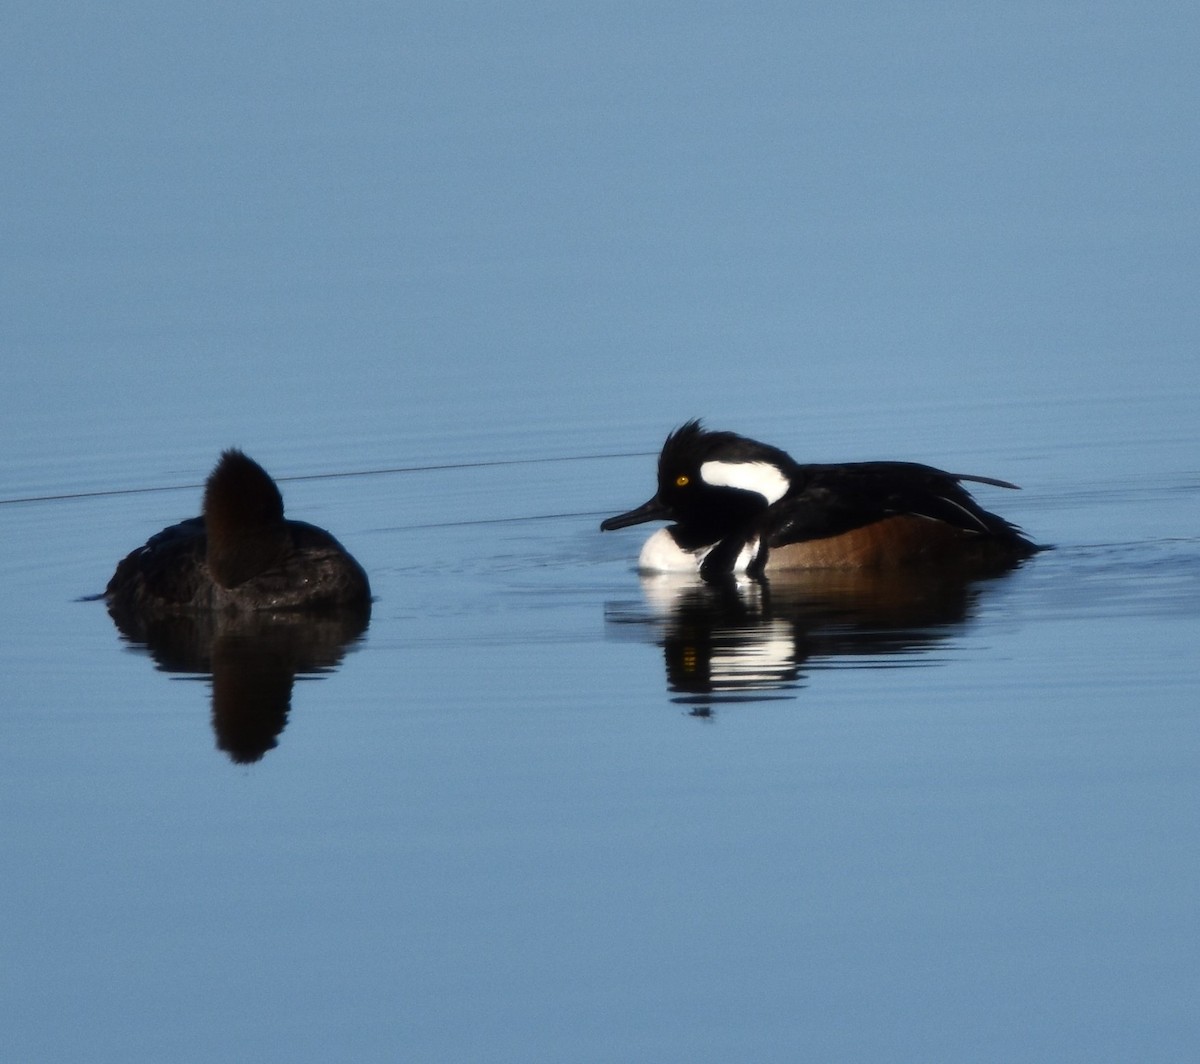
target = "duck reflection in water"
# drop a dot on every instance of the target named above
(253, 661)
(246, 596)
(739, 641)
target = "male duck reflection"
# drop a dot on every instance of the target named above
(740, 506)
(241, 556)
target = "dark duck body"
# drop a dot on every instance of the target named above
(740, 506)
(241, 555)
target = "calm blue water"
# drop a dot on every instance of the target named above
(451, 272)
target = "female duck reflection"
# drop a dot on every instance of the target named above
(246, 595)
(749, 641)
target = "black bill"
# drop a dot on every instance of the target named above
(648, 511)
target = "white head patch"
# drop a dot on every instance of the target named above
(762, 477)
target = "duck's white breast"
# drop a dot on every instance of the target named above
(661, 554)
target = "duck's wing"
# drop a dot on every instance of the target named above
(832, 499)
(167, 569)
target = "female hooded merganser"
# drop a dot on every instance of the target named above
(739, 506)
(242, 555)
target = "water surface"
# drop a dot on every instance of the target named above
(451, 275)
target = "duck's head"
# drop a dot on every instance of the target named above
(711, 485)
(243, 519)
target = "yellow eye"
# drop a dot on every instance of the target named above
(682, 480)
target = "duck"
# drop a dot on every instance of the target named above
(740, 507)
(240, 556)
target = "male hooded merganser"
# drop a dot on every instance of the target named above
(242, 555)
(739, 506)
